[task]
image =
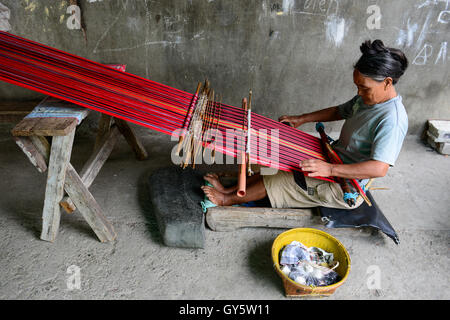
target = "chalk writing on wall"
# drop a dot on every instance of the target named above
(416, 33)
(172, 25)
(309, 7)
(406, 37)
(444, 16)
(426, 54)
(335, 26)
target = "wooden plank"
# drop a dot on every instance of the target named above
(97, 160)
(133, 141)
(67, 204)
(24, 127)
(232, 218)
(51, 104)
(60, 128)
(60, 152)
(45, 126)
(93, 165)
(88, 206)
(33, 154)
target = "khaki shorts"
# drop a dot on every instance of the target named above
(284, 192)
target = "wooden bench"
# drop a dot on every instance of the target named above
(233, 218)
(58, 119)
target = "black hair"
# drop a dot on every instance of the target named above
(379, 62)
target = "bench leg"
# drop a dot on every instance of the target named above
(93, 165)
(60, 152)
(104, 126)
(35, 157)
(133, 141)
(88, 207)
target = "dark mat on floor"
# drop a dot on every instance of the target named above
(175, 195)
(363, 216)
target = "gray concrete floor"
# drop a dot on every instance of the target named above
(233, 265)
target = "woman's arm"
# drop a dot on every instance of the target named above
(324, 115)
(362, 170)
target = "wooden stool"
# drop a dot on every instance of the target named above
(58, 119)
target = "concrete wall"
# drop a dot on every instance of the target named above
(296, 55)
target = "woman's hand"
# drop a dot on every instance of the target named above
(295, 121)
(361, 170)
(324, 115)
(317, 168)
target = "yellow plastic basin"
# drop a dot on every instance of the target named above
(311, 238)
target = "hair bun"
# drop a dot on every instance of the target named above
(400, 57)
(379, 62)
(373, 48)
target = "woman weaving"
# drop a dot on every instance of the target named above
(369, 143)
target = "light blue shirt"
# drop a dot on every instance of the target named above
(372, 132)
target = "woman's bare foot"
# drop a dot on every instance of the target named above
(214, 195)
(214, 180)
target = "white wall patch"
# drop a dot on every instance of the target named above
(335, 29)
(287, 6)
(5, 14)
